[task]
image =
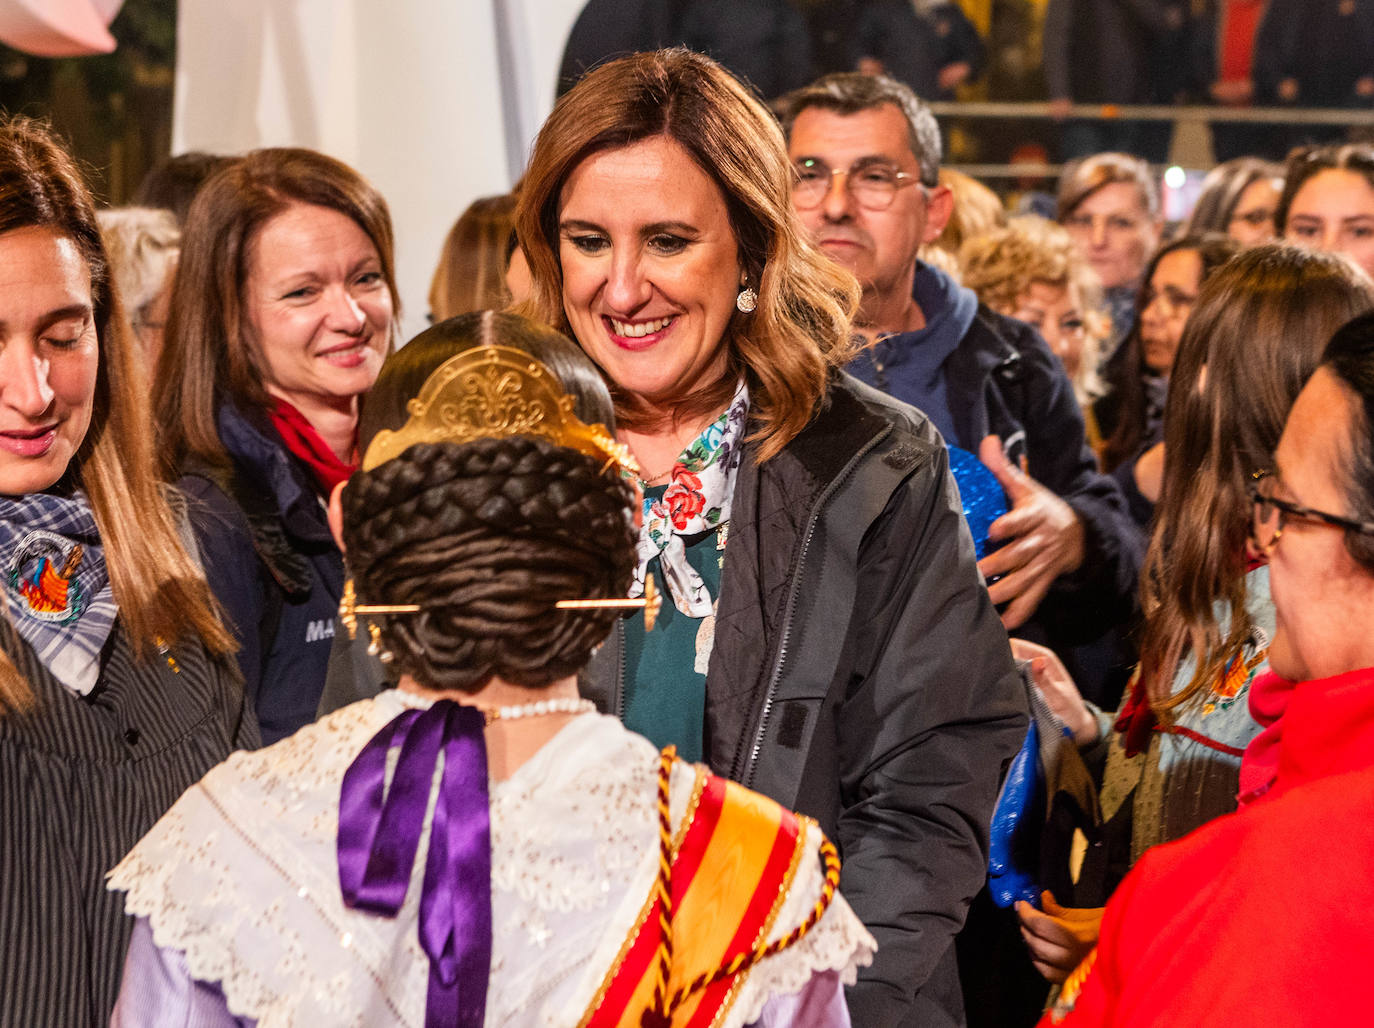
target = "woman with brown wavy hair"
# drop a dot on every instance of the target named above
(1173, 751)
(283, 308)
(826, 638)
(114, 689)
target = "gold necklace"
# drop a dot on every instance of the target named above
(650, 480)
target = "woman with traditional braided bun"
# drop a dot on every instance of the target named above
(439, 521)
(572, 874)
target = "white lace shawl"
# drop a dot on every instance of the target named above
(240, 876)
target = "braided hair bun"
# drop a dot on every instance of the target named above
(486, 537)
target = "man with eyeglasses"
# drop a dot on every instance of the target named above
(866, 153)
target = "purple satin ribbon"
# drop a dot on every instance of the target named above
(379, 833)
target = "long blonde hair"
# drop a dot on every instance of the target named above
(160, 591)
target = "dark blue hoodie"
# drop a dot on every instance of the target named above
(273, 566)
(911, 365)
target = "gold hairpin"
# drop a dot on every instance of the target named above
(496, 391)
(350, 608)
(651, 601)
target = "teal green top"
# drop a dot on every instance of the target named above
(665, 698)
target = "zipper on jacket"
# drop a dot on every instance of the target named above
(769, 695)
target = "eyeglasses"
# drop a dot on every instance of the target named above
(873, 186)
(1270, 512)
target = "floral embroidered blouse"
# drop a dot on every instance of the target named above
(682, 543)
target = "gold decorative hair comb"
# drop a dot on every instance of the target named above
(496, 391)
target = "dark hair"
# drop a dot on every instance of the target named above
(849, 92)
(1350, 357)
(1256, 332)
(160, 591)
(172, 184)
(208, 355)
(1309, 161)
(1126, 377)
(1222, 190)
(1085, 177)
(800, 328)
(488, 535)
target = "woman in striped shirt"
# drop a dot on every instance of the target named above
(114, 692)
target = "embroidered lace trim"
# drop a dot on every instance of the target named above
(240, 877)
(839, 942)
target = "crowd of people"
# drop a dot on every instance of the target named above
(1235, 55)
(768, 532)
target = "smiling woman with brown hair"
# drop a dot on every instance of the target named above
(114, 689)
(826, 639)
(282, 311)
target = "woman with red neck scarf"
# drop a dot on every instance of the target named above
(281, 314)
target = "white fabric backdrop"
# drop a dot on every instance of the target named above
(435, 101)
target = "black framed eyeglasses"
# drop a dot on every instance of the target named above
(1270, 512)
(873, 186)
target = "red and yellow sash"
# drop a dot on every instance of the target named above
(734, 859)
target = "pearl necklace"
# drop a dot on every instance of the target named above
(539, 708)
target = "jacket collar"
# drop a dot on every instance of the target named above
(1328, 729)
(255, 447)
(983, 353)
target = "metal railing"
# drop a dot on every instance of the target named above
(1159, 112)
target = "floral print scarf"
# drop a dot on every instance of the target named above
(697, 500)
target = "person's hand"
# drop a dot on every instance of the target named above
(1060, 106)
(870, 66)
(1057, 686)
(1042, 539)
(952, 75)
(1058, 937)
(1233, 91)
(1288, 90)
